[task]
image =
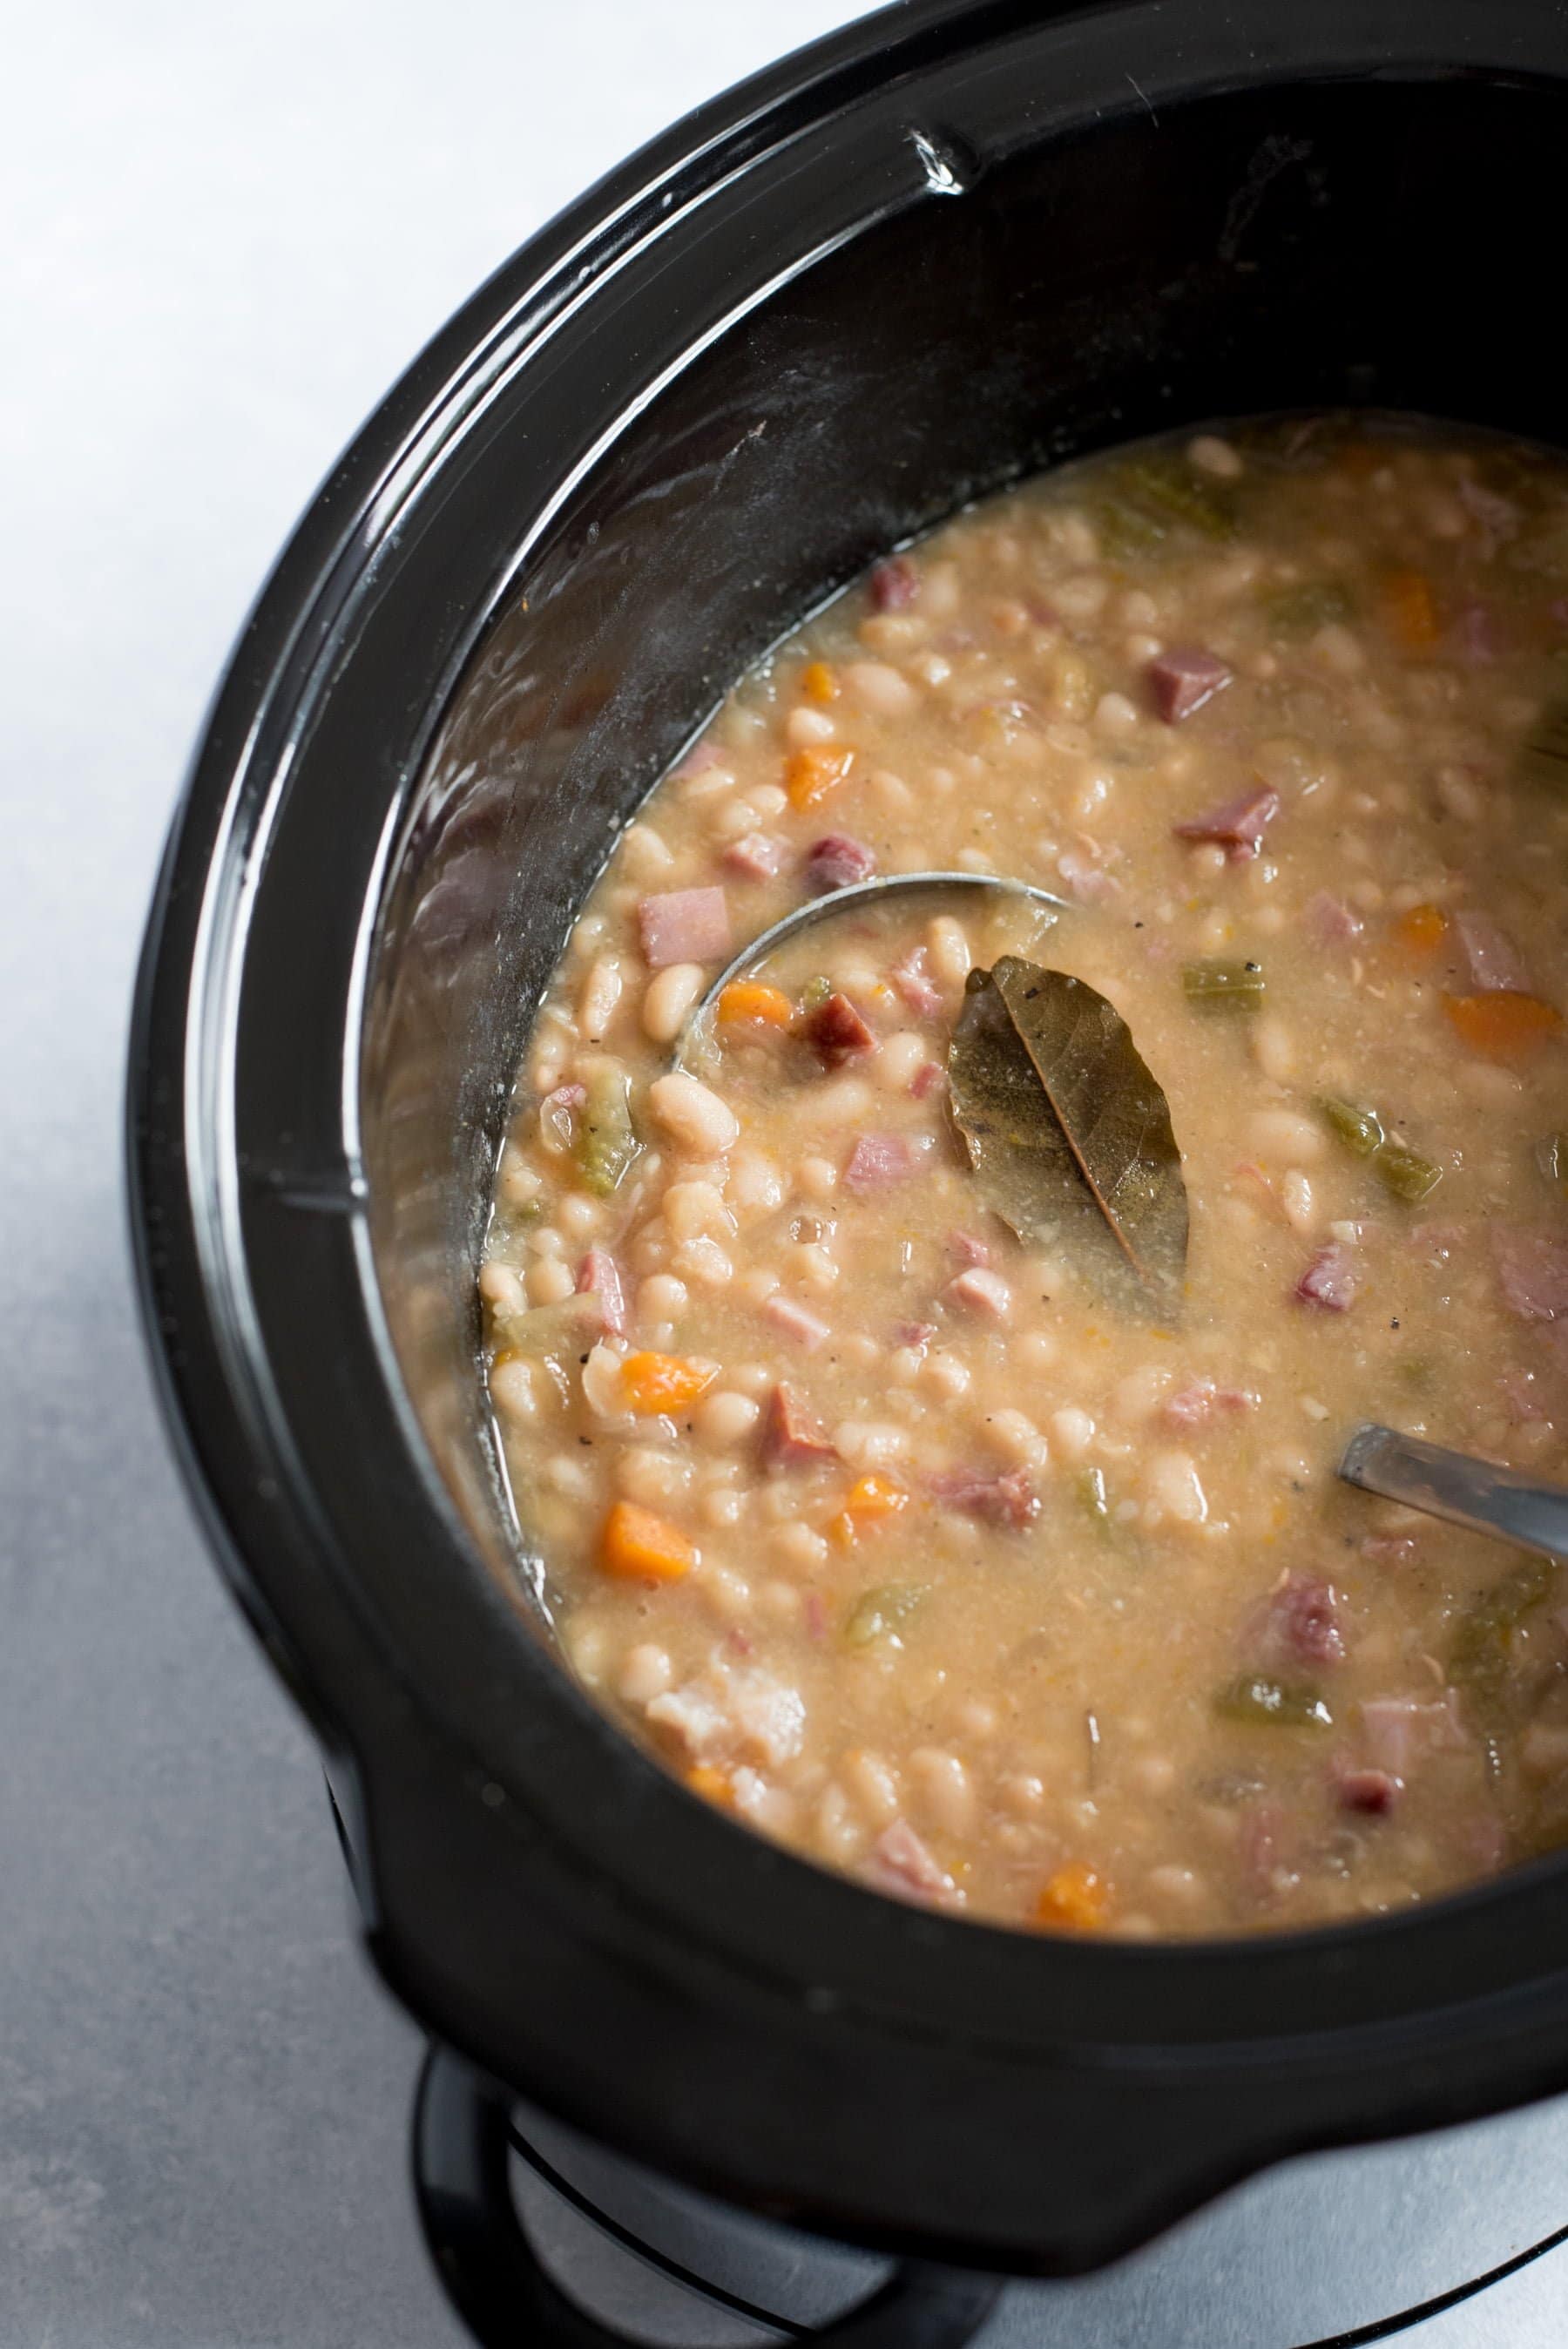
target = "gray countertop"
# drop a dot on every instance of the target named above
(228, 231)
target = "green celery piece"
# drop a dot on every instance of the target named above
(1226, 986)
(882, 1614)
(1257, 1698)
(1478, 1658)
(1169, 486)
(1405, 1172)
(1314, 603)
(1125, 530)
(606, 1138)
(1360, 1130)
(815, 993)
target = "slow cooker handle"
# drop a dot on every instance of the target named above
(493, 2277)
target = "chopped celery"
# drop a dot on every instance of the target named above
(815, 993)
(1170, 487)
(1281, 1704)
(1405, 1172)
(1222, 985)
(550, 1329)
(882, 1614)
(1478, 1658)
(606, 1141)
(1125, 530)
(1314, 603)
(1361, 1130)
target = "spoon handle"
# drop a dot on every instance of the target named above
(1429, 1476)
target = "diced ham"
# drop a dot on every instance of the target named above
(877, 1161)
(814, 1612)
(916, 988)
(1396, 1729)
(1374, 1793)
(1493, 961)
(926, 1078)
(725, 1715)
(797, 1321)
(1183, 678)
(979, 1292)
(1498, 515)
(1202, 1402)
(837, 862)
(684, 925)
(1299, 1624)
(1328, 920)
(1237, 827)
(698, 760)
(1258, 1848)
(792, 1434)
(1329, 1282)
(564, 1097)
(894, 585)
(901, 1865)
(557, 1115)
(836, 1032)
(914, 1333)
(1009, 1500)
(1533, 1267)
(599, 1276)
(1086, 879)
(966, 1248)
(1476, 640)
(1389, 1549)
(756, 856)
(1523, 1397)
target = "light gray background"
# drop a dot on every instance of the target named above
(226, 229)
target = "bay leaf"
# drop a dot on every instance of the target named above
(1068, 1133)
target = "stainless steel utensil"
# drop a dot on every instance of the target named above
(1503, 1501)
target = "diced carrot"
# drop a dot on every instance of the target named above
(637, 1546)
(819, 682)
(844, 1530)
(1408, 612)
(749, 1000)
(712, 1784)
(656, 1382)
(1422, 929)
(1502, 1023)
(875, 1496)
(1074, 1900)
(810, 774)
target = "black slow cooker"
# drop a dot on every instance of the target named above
(941, 249)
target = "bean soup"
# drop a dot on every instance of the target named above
(860, 1491)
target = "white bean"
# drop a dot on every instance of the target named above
(671, 993)
(945, 1787)
(692, 1116)
(693, 1209)
(723, 1418)
(1285, 1133)
(880, 689)
(646, 1673)
(550, 1281)
(948, 948)
(1072, 1431)
(1174, 1487)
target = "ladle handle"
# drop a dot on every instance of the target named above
(1501, 1502)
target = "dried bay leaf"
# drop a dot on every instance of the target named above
(1067, 1133)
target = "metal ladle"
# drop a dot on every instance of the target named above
(1502, 1502)
(838, 901)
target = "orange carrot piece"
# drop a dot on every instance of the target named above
(1422, 929)
(843, 1530)
(809, 775)
(1501, 1023)
(656, 1382)
(875, 1496)
(1074, 1900)
(748, 999)
(638, 1546)
(819, 682)
(712, 1784)
(1408, 611)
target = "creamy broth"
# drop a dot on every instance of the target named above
(899, 1537)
